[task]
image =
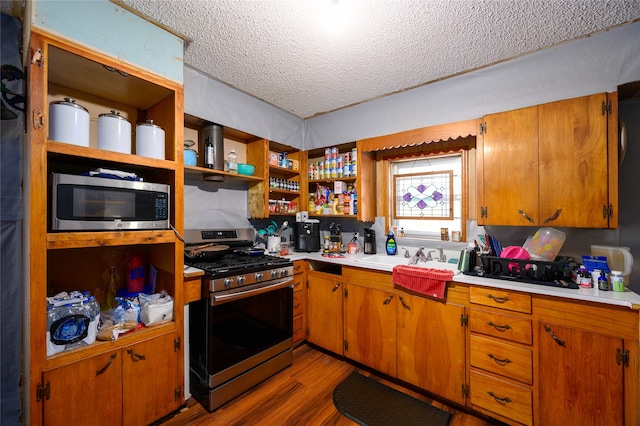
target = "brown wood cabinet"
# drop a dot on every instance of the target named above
(299, 300)
(370, 327)
(325, 311)
(98, 377)
(553, 164)
(431, 344)
(501, 354)
(587, 363)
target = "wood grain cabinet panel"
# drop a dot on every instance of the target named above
(370, 327)
(502, 397)
(581, 377)
(431, 345)
(502, 358)
(507, 327)
(503, 299)
(551, 164)
(325, 311)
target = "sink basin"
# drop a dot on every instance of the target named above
(388, 262)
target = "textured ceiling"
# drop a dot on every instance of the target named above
(283, 51)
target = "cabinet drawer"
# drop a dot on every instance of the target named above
(501, 397)
(297, 284)
(502, 358)
(298, 267)
(298, 307)
(502, 299)
(298, 330)
(503, 326)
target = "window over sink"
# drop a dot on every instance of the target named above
(426, 193)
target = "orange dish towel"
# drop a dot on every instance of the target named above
(428, 281)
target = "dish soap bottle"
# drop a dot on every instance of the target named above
(392, 248)
(232, 162)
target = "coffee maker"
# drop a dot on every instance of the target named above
(369, 241)
(307, 236)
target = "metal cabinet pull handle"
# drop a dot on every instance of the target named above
(404, 305)
(499, 327)
(498, 399)
(498, 299)
(135, 356)
(387, 300)
(553, 216)
(103, 369)
(553, 336)
(499, 361)
(336, 287)
(526, 216)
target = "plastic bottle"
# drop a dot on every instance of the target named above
(617, 281)
(392, 248)
(110, 293)
(232, 162)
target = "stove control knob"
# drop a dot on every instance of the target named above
(241, 280)
(228, 282)
(284, 272)
(274, 273)
(258, 276)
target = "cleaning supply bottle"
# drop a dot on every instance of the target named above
(392, 248)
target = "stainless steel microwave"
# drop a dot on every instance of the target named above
(84, 203)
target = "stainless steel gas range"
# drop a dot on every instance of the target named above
(241, 330)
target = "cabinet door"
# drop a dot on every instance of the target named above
(370, 327)
(150, 372)
(580, 381)
(573, 162)
(324, 312)
(87, 392)
(508, 168)
(431, 346)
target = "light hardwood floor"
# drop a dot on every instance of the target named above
(299, 395)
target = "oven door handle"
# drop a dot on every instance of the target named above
(218, 299)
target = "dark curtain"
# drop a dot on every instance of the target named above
(11, 280)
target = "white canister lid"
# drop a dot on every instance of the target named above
(69, 102)
(150, 123)
(113, 114)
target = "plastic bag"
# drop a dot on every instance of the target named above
(155, 308)
(123, 318)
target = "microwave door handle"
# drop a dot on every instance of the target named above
(218, 299)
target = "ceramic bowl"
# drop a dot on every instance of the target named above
(246, 169)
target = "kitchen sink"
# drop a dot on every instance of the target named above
(388, 262)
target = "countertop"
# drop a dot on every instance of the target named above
(627, 298)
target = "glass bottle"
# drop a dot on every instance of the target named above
(208, 153)
(232, 162)
(110, 292)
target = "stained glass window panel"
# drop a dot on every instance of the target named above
(427, 195)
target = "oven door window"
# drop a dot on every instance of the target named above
(242, 328)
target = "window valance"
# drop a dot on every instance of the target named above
(425, 135)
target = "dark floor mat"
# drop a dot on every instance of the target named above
(370, 403)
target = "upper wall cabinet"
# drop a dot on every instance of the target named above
(554, 164)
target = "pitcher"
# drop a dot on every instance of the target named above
(618, 259)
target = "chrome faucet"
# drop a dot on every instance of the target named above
(441, 256)
(406, 253)
(418, 256)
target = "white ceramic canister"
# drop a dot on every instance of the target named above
(150, 140)
(69, 122)
(114, 132)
